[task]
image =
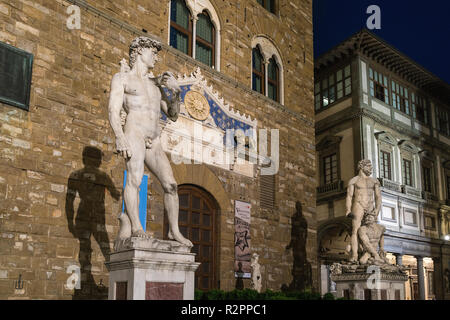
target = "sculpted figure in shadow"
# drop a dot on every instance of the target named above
(143, 97)
(90, 184)
(301, 269)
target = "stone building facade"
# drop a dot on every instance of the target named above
(61, 181)
(372, 102)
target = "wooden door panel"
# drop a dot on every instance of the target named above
(196, 220)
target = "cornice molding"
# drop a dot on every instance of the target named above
(351, 114)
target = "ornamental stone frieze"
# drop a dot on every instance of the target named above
(208, 129)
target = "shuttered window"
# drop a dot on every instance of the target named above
(267, 191)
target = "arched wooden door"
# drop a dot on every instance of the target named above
(197, 220)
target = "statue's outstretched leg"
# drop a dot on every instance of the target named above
(157, 162)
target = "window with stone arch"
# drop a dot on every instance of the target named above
(267, 69)
(386, 145)
(258, 70)
(269, 5)
(427, 161)
(273, 83)
(410, 164)
(328, 150)
(194, 29)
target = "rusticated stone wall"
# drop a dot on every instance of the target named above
(57, 161)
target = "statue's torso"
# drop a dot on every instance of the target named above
(364, 192)
(142, 102)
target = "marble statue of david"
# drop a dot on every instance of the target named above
(142, 96)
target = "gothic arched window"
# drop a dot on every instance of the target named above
(195, 30)
(267, 69)
(180, 27)
(258, 71)
(273, 79)
(205, 40)
(268, 4)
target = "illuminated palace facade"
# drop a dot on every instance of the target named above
(373, 102)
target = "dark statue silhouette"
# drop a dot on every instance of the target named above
(90, 184)
(239, 279)
(301, 269)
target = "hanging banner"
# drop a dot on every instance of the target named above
(242, 255)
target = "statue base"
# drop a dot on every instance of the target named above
(369, 282)
(151, 269)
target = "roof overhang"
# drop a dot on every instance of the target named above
(368, 44)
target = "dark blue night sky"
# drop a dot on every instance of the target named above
(419, 29)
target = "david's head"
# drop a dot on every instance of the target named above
(144, 49)
(365, 166)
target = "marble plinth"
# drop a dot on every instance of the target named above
(151, 269)
(369, 282)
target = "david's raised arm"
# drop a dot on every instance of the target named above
(171, 107)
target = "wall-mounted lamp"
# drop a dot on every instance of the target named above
(447, 237)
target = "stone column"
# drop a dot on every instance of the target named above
(443, 230)
(440, 224)
(421, 277)
(266, 77)
(194, 34)
(398, 259)
(439, 282)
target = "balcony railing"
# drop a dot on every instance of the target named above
(337, 186)
(411, 191)
(391, 185)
